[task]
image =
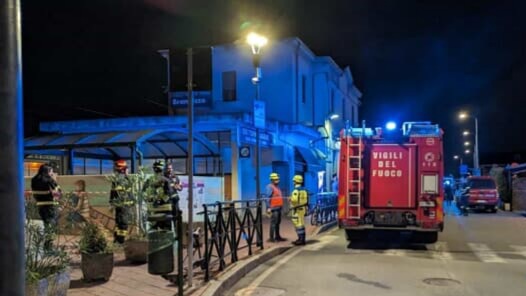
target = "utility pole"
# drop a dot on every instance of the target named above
(11, 151)
(190, 161)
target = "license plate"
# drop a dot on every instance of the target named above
(481, 201)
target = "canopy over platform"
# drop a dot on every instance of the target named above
(137, 144)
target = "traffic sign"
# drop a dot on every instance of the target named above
(259, 114)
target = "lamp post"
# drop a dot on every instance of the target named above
(464, 115)
(256, 42)
(456, 157)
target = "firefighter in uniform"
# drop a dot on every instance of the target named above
(161, 198)
(274, 207)
(45, 189)
(298, 205)
(121, 199)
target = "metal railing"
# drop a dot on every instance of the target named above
(228, 228)
(324, 209)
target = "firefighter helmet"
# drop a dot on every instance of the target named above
(274, 176)
(120, 165)
(298, 179)
(158, 166)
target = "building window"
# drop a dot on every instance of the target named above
(229, 86)
(303, 88)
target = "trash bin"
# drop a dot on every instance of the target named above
(160, 252)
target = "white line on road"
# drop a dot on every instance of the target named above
(441, 251)
(521, 250)
(252, 288)
(257, 281)
(325, 240)
(485, 254)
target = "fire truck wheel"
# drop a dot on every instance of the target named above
(355, 235)
(425, 237)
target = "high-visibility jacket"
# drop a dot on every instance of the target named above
(276, 198)
(299, 199)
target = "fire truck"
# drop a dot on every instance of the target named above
(391, 181)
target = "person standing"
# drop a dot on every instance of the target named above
(334, 183)
(161, 197)
(45, 191)
(79, 202)
(274, 207)
(298, 205)
(121, 199)
(175, 183)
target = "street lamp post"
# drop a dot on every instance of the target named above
(464, 115)
(256, 42)
(456, 157)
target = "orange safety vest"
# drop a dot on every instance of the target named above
(276, 199)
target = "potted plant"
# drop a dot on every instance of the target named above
(96, 254)
(46, 271)
(136, 245)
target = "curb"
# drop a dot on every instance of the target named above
(326, 227)
(230, 278)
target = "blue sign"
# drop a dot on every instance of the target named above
(463, 169)
(259, 114)
(201, 99)
(248, 136)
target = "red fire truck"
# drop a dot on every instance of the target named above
(392, 181)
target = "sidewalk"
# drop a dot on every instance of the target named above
(134, 280)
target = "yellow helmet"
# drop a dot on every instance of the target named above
(274, 176)
(298, 179)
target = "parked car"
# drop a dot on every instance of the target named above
(479, 193)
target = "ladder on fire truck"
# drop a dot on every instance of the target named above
(354, 188)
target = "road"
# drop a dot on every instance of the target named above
(481, 254)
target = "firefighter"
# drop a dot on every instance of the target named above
(45, 191)
(161, 197)
(274, 207)
(121, 199)
(298, 205)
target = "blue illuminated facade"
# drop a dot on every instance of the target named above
(300, 91)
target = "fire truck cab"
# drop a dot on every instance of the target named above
(392, 181)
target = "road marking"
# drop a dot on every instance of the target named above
(325, 240)
(521, 250)
(485, 254)
(252, 288)
(257, 281)
(394, 252)
(441, 251)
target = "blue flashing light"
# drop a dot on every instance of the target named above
(391, 125)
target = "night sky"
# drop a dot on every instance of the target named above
(413, 60)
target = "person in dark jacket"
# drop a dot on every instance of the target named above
(45, 191)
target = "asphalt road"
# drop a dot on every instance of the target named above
(481, 254)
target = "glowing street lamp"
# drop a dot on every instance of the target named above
(465, 115)
(465, 133)
(467, 143)
(467, 151)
